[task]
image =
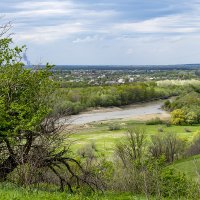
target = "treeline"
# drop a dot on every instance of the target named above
(78, 99)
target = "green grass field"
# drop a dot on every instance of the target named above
(105, 139)
(190, 166)
(11, 192)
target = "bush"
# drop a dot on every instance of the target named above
(167, 105)
(175, 184)
(194, 148)
(154, 121)
(187, 130)
(178, 117)
(160, 129)
(191, 118)
(167, 124)
(87, 151)
(114, 127)
(167, 144)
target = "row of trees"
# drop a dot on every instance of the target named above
(78, 99)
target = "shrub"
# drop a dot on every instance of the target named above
(167, 144)
(191, 118)
(167, 124)
(175, 184)
(114, 127)
(160, 129)
(167, 105)
(187, 130)
(194, 148)
(87, 151)
(178, 117)
(154, 121)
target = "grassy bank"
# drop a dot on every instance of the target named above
(189, 166)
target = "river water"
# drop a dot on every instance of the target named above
(134, 111)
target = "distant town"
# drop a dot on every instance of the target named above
(97, 75)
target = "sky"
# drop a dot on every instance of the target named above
(106, 32)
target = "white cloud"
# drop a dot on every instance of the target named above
(30, 5)
(103, 32)
(170, 24)
(44, 21)
(49, 33)
(32, 19)
(88, 39)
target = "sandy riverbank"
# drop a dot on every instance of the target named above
(143, 112)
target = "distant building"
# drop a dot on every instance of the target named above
(121, 81)
(110, 82)
(131, 79)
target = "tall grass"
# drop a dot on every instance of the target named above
(11, 192)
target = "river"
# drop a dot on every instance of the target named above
(139, 111)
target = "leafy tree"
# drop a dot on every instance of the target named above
(24, 104)
(30, 129)
(178, 117)
(191, 118)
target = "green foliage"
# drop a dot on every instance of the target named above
(190, 166)
(191, 118)
(12, 192)
(178, 117)
(149, 175)
(186, 108)
(167, 105)
(114, 127)
(194, 148)
(117, 95)
(23, 100)
(154, 121)
(167, 144)
(176, 184)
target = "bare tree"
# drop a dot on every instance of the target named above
(5, 30)
(133, 147)
(168, 145)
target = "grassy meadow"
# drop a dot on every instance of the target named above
(189, 166)
(106, 139)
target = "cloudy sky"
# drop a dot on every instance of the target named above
(106, 31)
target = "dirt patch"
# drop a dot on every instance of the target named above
(71, 128)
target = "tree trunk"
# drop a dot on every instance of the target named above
(7, 167)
